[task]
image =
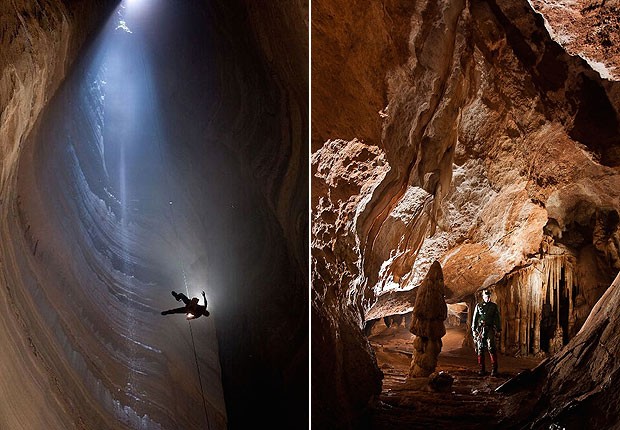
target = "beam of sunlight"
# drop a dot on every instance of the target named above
(132, 158)
(136, 6)
(124, 204)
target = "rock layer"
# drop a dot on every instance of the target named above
(153, 147)
(500, 152)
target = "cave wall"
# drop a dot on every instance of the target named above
(374, 198)
(85, 275)
(497, 151)
(577, 387)
(39, 43)
(542, 199)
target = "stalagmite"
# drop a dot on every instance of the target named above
(429, 313)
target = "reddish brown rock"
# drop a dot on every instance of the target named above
(427, 323)
(588, 28)
(225, 83)
(375, 66)
(576, 388)
(503, 155)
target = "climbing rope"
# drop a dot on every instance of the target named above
(178, 240)
(189, 324)
(191, 332)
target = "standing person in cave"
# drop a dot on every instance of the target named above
(485, 327)
(192, 309)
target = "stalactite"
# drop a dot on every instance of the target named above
(548, 283)
(571, 308)
(558, 290)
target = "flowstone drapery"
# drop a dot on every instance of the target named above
(542, 305)
(427, 324)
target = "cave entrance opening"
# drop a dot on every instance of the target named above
(457, 314)
(457, 329)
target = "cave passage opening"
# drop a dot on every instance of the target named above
(391, 332)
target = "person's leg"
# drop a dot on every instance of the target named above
(481, 363)
(175, 311)
(492, 354)
(181, 296)
(493, 363)
(480, 350)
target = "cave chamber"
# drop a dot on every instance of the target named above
(150, 147)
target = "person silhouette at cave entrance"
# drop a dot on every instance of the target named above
(485, 326)
(192, 309)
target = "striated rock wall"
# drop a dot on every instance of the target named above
(39, 42)
(206, 190)
(281, 31)
(371, 214)
(499, 145)
(262, 116)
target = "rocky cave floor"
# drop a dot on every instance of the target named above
(471, 402)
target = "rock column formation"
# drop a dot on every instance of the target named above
(427, 323)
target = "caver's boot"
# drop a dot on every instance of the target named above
(481, 365)
(176, 296)
(493, 363)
